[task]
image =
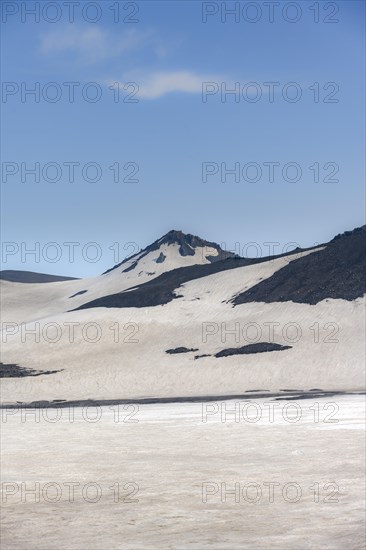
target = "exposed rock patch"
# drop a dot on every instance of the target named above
(259, 347)
(78, 293)
(12, 370)
(337, 272)
(180, 350)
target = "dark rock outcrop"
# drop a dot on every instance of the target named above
(12, 370)
(180, 350)
(259, 347)
(337, 271)
(78, 293)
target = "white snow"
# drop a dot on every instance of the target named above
(169, 456)
(22, 302)
(138, 366)
(173, 455)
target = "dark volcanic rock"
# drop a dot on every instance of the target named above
(128, 268)
(78, 293)
(259, 347)
(184, 399)
(337, 271)
(32, 277)
(11, 370)
(160, 290)
(249, 395)
(161, 258)
(180, 350)
(188, 243)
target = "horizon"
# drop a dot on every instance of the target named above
(269, 245)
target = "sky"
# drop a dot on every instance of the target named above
(132, 131)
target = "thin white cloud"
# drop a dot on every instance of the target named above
(88, 46)
(91, 45)
(161, 83)
(165, 82)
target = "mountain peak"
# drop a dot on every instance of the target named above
(179, 246)
(188, 244)
(175, 236)
(175, 232)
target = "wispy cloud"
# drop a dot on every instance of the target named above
(160, 83)
(92, 45)
(87, 46)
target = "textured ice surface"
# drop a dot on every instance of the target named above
(169, 453)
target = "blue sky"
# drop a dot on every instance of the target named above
(169, 132)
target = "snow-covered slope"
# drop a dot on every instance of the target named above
(25, 302)
(117, 348)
